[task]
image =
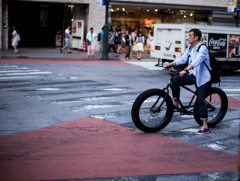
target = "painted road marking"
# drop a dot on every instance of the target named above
(93, 148)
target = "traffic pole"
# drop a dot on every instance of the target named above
(237, 18)
(105, 36)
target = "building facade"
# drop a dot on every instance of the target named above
(39, 21)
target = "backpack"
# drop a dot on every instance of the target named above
(99, 37)
(215, 73)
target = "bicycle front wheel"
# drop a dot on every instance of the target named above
(145, 113)
(217, 105)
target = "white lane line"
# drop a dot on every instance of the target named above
(9, 71)
(27, 73)
(231, 90)
(8, 66)
(148, 65)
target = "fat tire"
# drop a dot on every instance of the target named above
(222, 112)
(137, 105)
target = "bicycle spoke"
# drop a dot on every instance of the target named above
(214, 104)
(149, 115)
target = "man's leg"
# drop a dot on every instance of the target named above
(109, 47)
(88, 51)
(100, 47)
(92, 45)
(114, 49)
(202, 109)
(127, 51)
(185, 80)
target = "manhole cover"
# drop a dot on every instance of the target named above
(22, 57)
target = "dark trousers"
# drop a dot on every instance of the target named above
(128, 49)
(201, 92)
(113, 47)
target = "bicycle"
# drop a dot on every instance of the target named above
(153, 109)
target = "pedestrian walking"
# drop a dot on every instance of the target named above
(67, 40)
(91, 37)
(129, 42)
(101, 41)
(15, 39)
(140, 42)
(119, 40)
(195, 73)
(111, 42)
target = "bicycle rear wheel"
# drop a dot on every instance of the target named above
(145, 113)
(217, 105)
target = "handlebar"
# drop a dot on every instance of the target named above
(169, 66)
(173, 70)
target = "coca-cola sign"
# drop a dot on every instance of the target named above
(217, 44)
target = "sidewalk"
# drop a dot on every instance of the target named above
(52, 53)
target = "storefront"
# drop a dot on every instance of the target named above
(40, 20)
(139, 17)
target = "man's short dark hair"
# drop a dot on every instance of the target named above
(102, 28)
(91, 28)
(196, 32)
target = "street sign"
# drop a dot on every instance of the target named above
(231, 6)
(101, 2)
(238, 6)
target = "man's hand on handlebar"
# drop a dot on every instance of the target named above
(172, 64)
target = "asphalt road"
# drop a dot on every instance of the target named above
(36, 96)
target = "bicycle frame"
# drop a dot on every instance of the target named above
(183, 109)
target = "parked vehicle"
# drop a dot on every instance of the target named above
(223, 42)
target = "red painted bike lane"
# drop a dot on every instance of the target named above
(94, 148)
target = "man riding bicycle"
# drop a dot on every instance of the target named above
(195, 73)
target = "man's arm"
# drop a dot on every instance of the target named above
(110, 39)
(69, 36)
(201, 56)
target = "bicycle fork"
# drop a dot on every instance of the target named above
(158, 108)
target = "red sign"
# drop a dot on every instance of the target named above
(79, 24)
(74, 30)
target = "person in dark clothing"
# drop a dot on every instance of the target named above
(111, 42)
(119, 40)
(129, 42)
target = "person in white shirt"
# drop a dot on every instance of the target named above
(151, 38)
(67, 40)
(91, 38)
(15, 39)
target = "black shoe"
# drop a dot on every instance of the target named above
(61, 50)
(69, 52)
(116, 55)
